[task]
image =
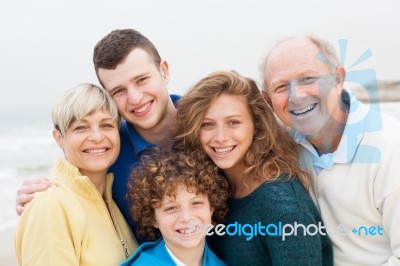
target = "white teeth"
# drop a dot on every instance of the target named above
(223, 150)
(304, 110)
(144, 108)
(95, 151)
(186, 231)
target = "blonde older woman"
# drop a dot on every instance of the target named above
(76, 222)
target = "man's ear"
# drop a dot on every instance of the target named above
(340, 75)
(267, 98)
(58, 138)
(164, 70)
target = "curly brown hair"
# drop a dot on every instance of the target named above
(272, 152)
(160, 173)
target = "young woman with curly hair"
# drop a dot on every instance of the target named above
(224, 118)
(175, 196)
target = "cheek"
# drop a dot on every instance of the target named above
(120, 103)
(203, 138)
(279, 102)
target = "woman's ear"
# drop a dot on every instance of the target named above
(58, 138)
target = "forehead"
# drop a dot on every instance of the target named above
(136, 63)
(180, 192)
(225, 104)
(294, 58)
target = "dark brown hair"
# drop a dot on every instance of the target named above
(115, 47)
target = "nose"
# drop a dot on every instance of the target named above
(220, 134)
(96, 135)
(296, 92)
(185, 215)
(134, 95)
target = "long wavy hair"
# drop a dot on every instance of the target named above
(272, 152)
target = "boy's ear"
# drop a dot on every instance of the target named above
(155, 224)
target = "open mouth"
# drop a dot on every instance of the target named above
(143, 108)
(224, 150)
(96, 151)
(304, 110)
(187, 231)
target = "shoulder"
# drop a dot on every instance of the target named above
(150, 253)
(285, 187)
(287, 197)
(210, 259)
(54, 205)
(53, 198)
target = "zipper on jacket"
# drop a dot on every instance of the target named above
(125, 248)
(117, 230)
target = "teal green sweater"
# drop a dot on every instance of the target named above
(284, 202)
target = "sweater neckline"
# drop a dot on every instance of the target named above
(70, 175)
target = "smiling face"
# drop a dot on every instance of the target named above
(91, 144)
(303, 90)
(138, 87)
(227, 132)
(180, 218)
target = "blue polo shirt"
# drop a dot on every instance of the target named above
(132, 144)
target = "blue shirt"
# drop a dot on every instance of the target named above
(155, 253)
(132, 144)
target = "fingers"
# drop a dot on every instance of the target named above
(31, 186)
(26, 192)
(21, 201)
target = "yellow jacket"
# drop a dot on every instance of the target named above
(71, 224)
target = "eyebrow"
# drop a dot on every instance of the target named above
(102, 120)
(134, 78)
(225, 117)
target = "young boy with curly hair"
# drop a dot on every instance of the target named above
(174, 198)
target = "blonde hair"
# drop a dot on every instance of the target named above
(272, 151)
(79, 102)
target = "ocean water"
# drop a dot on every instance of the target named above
(27, 150)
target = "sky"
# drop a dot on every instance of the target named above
(46, 46)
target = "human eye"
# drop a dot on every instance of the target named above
(170, 208)
(309, 80)
(142, 80)
(233, 122)
(117, 91)
(280, 88)
(108, 125)
(207, 124)
(79, 128)
(198, 202)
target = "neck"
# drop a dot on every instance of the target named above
(190, 256)
(235, 179)
(162, 134)
(99, 181)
